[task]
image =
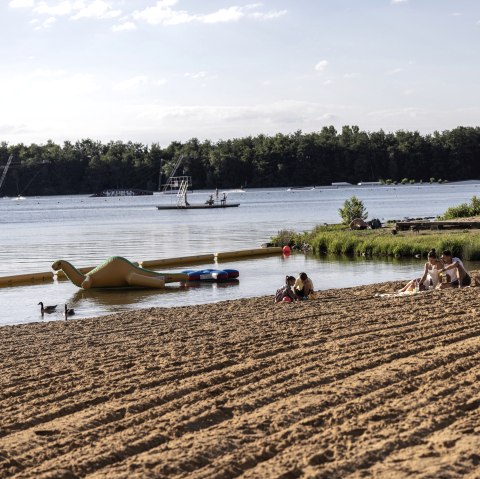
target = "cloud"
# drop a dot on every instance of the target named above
(410, 112)
(196, 75)
(162, 13)
(75, 9)
(394, 2)
(97, 9)
(394, 71)
(131, 83)
(271, 115)
(125, 26)
(21, 3)
(321, 66)
(60, 9)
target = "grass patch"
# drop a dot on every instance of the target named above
(338, 240)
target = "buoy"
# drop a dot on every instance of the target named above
(286, 250)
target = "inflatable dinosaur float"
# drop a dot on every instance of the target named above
(117, 272)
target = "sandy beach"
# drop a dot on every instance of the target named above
(345, 385)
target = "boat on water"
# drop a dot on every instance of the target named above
(301, 188)
(121, 192)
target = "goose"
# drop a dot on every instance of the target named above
(47, 309)
(69, 311)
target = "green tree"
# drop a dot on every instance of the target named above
(352, 208)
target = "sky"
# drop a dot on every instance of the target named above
(157, 71)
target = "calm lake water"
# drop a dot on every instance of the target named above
(36, 231)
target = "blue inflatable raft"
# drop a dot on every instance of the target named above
(211, 274)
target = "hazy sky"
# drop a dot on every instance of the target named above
(164, 70)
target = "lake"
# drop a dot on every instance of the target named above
(36, 231)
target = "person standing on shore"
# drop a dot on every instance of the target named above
(458, 275)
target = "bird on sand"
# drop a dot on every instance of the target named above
(47, 309)
(69, 311)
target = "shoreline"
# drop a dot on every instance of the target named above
(347, 383)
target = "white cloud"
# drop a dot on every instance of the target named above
(223, 15)
(97, 9)
(408, 92)
(48, 73)
(21, 3)
(349, 76)
(268, 15)
(321, 66)
(163, 13)
(76, 9)
(125, 26)
(410, 112)
(456, 14)
(394, 71)
(131, 83)
(48, 22)
(62, 8)
(196, 75)
(393, 2)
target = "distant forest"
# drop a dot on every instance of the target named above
(297, 159)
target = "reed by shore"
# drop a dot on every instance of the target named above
(348, 384)
(340, 240)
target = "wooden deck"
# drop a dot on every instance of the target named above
(436, 225)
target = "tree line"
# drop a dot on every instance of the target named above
(299, 159)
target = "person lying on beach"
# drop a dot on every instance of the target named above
(303, 286)
(285, 293)
(430, 278)
(458, 275)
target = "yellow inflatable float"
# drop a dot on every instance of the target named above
(117, 272)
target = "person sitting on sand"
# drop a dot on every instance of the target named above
(458, 275)
(303, 286)
(285, 293)
(430, 278)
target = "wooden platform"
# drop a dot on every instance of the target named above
(199, 207)
(436, 225)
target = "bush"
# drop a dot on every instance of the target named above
(352, 208)
(463, 210)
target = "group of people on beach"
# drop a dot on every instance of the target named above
(446, 271)
(294, 289)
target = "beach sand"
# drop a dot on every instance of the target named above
(345, 385)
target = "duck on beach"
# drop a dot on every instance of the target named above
(69, 311)
(47, 309)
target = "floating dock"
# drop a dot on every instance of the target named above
(198, 207)
(436, 225)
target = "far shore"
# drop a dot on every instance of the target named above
(347, 384)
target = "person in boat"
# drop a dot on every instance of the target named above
(303, 286)
(454, 267)
(430, 277)
(223, 201)
(285, 294)
(210, 201)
